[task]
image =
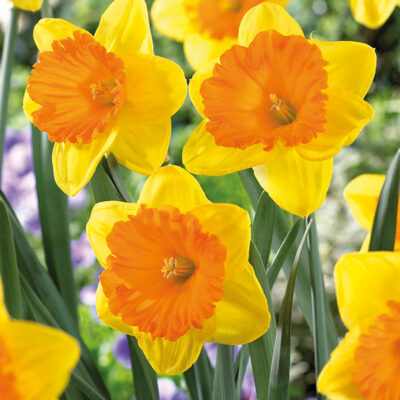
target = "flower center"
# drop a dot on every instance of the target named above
(218, 18)
(285, 114)
(179, 267)
(79, 86)
(7, 377)
(378, 357)
(271, 91)
(191, 262)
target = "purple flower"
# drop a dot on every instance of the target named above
(80, 200)
(168, 390)
(87, 295)
(82, 253)
(18, 178)
(121, 351)
(211, 349)
(248, 387)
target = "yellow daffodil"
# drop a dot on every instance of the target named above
(104, 93)
(35, 360)
(365, 365)
(362, 195)
(28, 5)
(207, 28)
(373, 13)
(282, 104)
(176, 271)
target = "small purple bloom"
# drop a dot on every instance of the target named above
(82, 253)
(87, 295)
(80, 200)
(121, 351)
(168, 390)
(212, 349)
(248, 387)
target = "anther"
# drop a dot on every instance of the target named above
(177, 267)
(284, 112)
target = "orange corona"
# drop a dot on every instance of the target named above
(258, 94)
(165, 274)
(7, 377)
(378, 357)
(218, 18)
(87, 89)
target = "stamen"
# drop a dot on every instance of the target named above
(180, 267)
(284, 112)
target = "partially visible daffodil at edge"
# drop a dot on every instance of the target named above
(365, 365)
(28, 5)
(35, 360)
(206, 27)
(282, 104)
(176, 271)
(373, 13)
(362, 195)
(104, 93)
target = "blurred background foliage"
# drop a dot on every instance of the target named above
(371, 153)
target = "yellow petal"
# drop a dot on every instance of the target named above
(43, 358)
(335, 380)
(169, 17)
(231, 224)
(28, 5)
(372, 13)
(242, 314)
(172, 185)
(364, 283)
(347, 114)
(351, 65)
(141, 147)
(362, 195)
(124, 28)
(101, 222)
(173, 358)
(29, 106)
(264, 17)
(47, 30)
(3, 310)
(200, 49)
(156, 87)
(297, 185)
(74, 164)
(110, 319)
(203, 73)
(203, 157)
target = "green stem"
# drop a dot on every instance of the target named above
(7, 61)
(318, 301)
(224, 381)
(46, 10)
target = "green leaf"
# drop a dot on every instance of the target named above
(318, 302)
(144, 377)
(383, 233)
(85, 388)
(224, 381)
(54, 220)
(283, 252)
(101, 186)
(261, 350)
(41, 284)
(8, 266)
(114, 173)
(251, 185)
(240, 367)
(280, 366)
(263, 226)
(200, 377)
(7, 62)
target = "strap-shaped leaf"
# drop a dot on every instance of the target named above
(383, 233)
(224, 381)
(280, 368)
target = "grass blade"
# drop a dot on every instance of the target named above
(54, 220)
(280, 367)
(383, 233)
(8, 266)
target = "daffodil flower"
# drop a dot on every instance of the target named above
(35, 360)
(104, 93)
(365, 365)
(28, 5)
(282, 104)
(362, 195)
(176, 271)
(373, 13)
(207, 28)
